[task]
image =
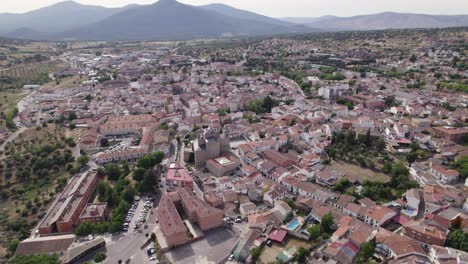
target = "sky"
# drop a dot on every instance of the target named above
(282, 8)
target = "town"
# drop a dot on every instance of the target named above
(344, 147)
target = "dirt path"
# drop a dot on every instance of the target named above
(12, 137)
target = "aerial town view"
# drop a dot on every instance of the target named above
(195, 132)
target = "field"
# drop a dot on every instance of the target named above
(16, 52)
(66, 82)
(30, 70)
(357, 172)
(269, 253)
(35, 166)
(10, 98)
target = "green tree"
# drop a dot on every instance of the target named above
(366, 252)
(461, 165)
(83, 160)
(148, 183)
(302, 254)
(138, 174)
(327, 223)
(72, 116)
(84, 229)
(100, 257)
(12, 245)
(36, 259)
(458, 239)
(150, 160)
(256, 252)
(112, 171)
(314, 232)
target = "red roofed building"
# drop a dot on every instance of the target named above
(278, 235)
(197, 211)
(178, 177)
(424, 234)
(170, 222)
(379, 215)
(278, 158)
(443, 175)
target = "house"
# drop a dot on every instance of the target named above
(390, 245)
(425, 235)
(412, 200)
(277, 192)
(247, 209)
(379, 215)
(443, 175)
(283, 208)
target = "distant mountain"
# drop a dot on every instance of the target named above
(171, 20)
(242, 14)
(380, 21)
(306, 20)
(55, 18)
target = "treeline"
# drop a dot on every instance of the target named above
(456, 86)
(119, 196)
(261, 106)
(351, 146)
(399, 183)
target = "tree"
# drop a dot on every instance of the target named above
(458, 239)
(314, 232)
(327, 223)
(150, 160)
(84, 229)
(387, 167)
(413, 58)
(148, 183)
(138, 174)
(256, 252)
(368, 139)
(100, 257)
(72, 116)
(461, 166)
(366, 252)
(36, 259)
(302, 254)
(83, 160)
(12, 245)
(112, 171)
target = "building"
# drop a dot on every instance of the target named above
(379, 215)
(177, 177)
(63, 216)
(453, 134)
(424, 234)
(171, 224)
(278, 158)
(95, 213)
(224, 165)
(45, 245)
(209, 145)
(443, 175)
(197, 212)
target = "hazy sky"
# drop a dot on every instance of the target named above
(283, 8)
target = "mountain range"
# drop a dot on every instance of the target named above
(387, 20)
(171, 20)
